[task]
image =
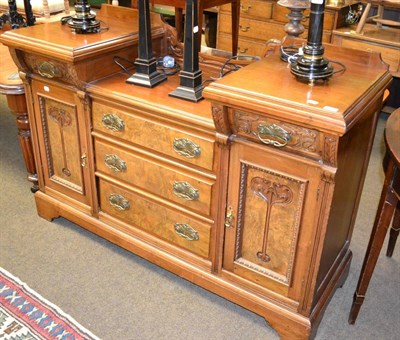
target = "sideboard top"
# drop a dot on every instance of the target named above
(58, 41)
(335, 105)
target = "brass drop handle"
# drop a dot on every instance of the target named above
(113, 122)
(186, 231)
(280, 136)
(229, 218)
(244, 29)
(185, 147)
(186, 191)
(83, 160)
(119, 202)
(245, 9)
(115, 163)
(48, 70)
(242, 51)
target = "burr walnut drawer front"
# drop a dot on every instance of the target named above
(168, 224)
(169, 140)
(163, 179)
(279, 134)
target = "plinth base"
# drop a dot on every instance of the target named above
(188, 93)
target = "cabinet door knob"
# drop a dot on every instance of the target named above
(280, 136)
(119, 202)
(83, 160)
(186, 231)
(229, 218)
(186, 191)
(115, 163)
(245, 9)
(185, 147)
(113, 122)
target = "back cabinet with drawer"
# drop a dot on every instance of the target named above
(263, 20)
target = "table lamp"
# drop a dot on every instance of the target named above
(294, 28)
(312, 66)
(84, 20)
(146, 73)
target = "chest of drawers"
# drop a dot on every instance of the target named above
(263, 20)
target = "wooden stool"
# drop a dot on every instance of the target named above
(389, 203)
(203, 5)
(379, 17)
(12, 87)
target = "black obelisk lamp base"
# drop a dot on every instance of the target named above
(312, 66)
(146, 73)
(190, 82)
(190, 87)
(146, 65)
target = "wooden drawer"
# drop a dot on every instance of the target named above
(261, 10)
(287, 137)
(280, 14)
(135, 128)
(250, 28)
(245, 46)
(389, 55)
(177, 228)
(159, 178)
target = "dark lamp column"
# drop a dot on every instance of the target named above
(312, 65)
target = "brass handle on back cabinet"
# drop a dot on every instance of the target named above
(244, 29)
(245, 9)
(280, 135)
(119, 202)
(83, 160)
(185, 147)
(113, 122)
(115, 163)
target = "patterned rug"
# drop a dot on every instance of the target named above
(25, 315)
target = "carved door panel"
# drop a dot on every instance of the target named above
(62, 135)
(271, 216)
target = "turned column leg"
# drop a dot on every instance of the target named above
(382, 220)
(17, 104)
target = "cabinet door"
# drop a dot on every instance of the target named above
(62, 139)
(271, 216)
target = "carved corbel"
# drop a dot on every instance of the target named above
(220, 117)
(330, 151)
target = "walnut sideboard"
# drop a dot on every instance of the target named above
(256, 187)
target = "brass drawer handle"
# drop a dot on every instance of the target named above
(113, 122)
(119, 202)
(244, 29)
(245, 9)
(186, 191)
(282, 137)
(242, 51)
(115, 163)
(185, 147)
(186, 231)
(48, 70)
(229, 218)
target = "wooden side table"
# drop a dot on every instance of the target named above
(389, 204)
(12, 87)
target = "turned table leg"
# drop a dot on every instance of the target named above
(17, 104)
